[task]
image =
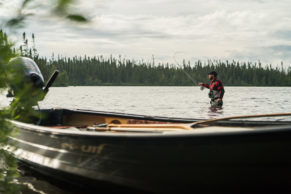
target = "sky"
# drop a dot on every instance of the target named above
(169, 30)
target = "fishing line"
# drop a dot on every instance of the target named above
(189, 76)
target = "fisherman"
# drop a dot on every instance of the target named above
(216, 90)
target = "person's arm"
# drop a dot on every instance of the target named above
(221, 92)
(204, 85)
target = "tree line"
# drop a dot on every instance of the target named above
(105, 71)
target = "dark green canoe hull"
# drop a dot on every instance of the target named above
(257, 160)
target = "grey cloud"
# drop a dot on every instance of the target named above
(282, 51)
(134, 30)
(118, 34)
(280, 48)
(282, 34)
(269, 54)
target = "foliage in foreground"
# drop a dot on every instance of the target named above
(8, 167)
(21, 107)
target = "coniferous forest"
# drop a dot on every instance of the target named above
(105, 71)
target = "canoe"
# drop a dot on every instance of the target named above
(96, 150)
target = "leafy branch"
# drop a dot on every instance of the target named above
(22, 106)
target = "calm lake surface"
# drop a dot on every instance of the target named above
(188, 102)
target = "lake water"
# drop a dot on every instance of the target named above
(188, 102)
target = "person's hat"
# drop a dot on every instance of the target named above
(212, 73)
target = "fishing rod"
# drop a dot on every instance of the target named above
(186, 73)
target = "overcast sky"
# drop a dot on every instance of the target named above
(248, 30)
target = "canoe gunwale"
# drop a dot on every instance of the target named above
(178, 134)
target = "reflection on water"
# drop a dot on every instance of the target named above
(215, 112)
(189, 102)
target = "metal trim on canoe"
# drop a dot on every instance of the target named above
(207, 131)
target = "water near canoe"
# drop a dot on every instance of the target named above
(188, 102)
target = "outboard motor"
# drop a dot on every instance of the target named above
(26, 86)
(25, 71)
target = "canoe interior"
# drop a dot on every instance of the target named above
(65, 118)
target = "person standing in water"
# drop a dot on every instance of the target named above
(216, 88)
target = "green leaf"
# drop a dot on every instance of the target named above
(77, 18)
(62, 6)
(25, 2)
(18, 21)
(15, 21)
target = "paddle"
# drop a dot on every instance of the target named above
(194, 124)
(163, 127)
(155, 126)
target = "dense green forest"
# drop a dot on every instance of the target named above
(100, 70)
